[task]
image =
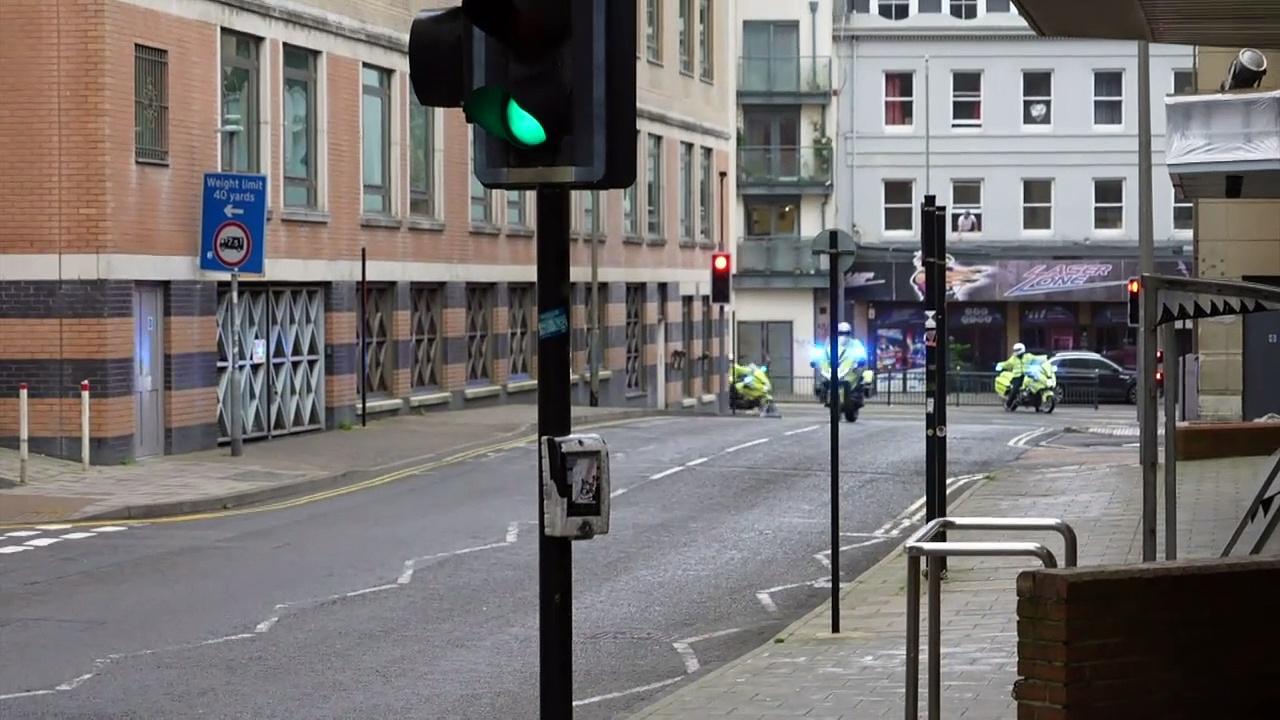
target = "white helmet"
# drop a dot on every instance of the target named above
(1019, 348)
(844, 328)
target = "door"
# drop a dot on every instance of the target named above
(772, 144)
(148, 370)
(768, 344)
(771, 56)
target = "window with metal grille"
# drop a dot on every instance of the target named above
(150, 104)
(479, 320)
(425, 321)
(519, 320)
(379, 309)
(595, 331)
(240, 114)
(686, 332)
(376, 136)
(635, 368)
(299, 127)
(422, 166)
(708, 330)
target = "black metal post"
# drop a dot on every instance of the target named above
(944, 362)
(933, 221)
(555, 555)
(833, 394)
(364, 340)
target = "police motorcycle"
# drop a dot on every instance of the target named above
(750, 389)
(856, 381)
(1039, 388)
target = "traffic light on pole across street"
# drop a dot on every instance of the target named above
(721, 277)
(1134, 289)
(551, 83)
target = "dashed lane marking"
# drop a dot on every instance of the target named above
(22, 540)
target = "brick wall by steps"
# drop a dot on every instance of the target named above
(1187, 639)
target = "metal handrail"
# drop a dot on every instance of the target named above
(921, 544)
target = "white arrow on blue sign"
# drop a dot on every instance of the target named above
(233, 223)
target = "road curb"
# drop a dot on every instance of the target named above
(334, 481)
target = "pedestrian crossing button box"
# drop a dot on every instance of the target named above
(575, 486)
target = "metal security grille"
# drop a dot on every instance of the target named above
(519, 309)
(150, 104)
(686, 344)
(425, 323)
(635, 338)
(708, 329)
(282, 388)
(379, 359)
(479, 315)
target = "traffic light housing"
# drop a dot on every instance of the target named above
(721, 277)
(552, 84)
(1134, 288)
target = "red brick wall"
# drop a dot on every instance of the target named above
(1192, 639)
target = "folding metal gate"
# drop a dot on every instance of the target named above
(282, 387)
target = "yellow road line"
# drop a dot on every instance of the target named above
(324, 494)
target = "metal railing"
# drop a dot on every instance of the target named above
(921, 544)
(906, 387)
(784, 75)
(777, 255)
(784, 165)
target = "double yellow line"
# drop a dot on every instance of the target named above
(326, 494)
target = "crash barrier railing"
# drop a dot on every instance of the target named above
(906, 387)
(921, 544)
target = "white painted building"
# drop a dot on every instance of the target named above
(1035, 138)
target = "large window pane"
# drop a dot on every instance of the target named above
(376, 145)
(1108, 97)
(421, 160)
(299, 127)
(653, 187)
(240, 102)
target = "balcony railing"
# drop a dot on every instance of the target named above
(777, 255)
(784, 75)
(784, 166)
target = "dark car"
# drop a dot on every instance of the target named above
(1076, 371)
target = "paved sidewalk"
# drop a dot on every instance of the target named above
(808, 673)
(268, 470)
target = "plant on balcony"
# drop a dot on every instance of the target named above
(821, 151)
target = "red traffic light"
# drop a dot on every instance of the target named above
(720, 262)
(1135, 285)
(1159, 356)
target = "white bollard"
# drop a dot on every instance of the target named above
(84, 424)
(23, 433)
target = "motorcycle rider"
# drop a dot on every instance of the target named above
(1016, 365)
(850, 352)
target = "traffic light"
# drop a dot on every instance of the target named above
(1159, 369)
(721, 277)
(1134, 287)
(552, 84)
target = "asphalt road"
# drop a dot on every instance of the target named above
(419, 598)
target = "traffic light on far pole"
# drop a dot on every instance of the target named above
(721, 277)
(1134, 288)
(551, 83)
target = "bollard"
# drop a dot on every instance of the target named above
(24, 431)
(84, 424)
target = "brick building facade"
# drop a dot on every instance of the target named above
(115, 108)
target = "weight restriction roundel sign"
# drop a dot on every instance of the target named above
(232, 244)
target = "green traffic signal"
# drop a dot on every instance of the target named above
(496, 111)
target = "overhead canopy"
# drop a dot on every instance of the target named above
(1222, 23)
(1213, 138)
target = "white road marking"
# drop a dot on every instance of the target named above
(29, 693)
(811, 428)
(620, 693)
(406, 576)
(77, 536)
(744, 446)
(1024, 440)
(666, 473)
(695, 463)
(109, 529)
(22, 533)
(42, 542)
(683, 647)
(767, 602)
(11, 549)
(619, 491)
(374, 589)
(513, 533)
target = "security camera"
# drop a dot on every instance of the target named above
(1246, 71)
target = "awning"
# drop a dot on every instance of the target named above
(1222, 23)
(1224, 146)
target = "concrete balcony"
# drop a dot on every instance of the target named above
(779, 261)
(770, 170)
(786, 80)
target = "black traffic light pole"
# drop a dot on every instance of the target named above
(833, 397)
(933, 254)
(555, 554)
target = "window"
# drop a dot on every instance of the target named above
(630, 224)
(422, 166)
(705, 40)
(966, 99)
(966, 206)
(899, 99)
(684, 36)
(895, 9)
(516, 209)
(653, 187)
(1108, 204)
(481, 202)
(520, 339)
(425, 319)
(1183, 214)
(686, 191)
(376, 145)
(479, 320)
(591, 212)
(634, 332)
(240, 102)
(964, 9)
(1037, 98)
(150, 104)
(299, 129)
(1108, 98)
(770, 56)
(1037, 205)
(899, 205)
(1184, 82)
(706, 206)
(653, 30)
